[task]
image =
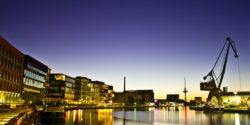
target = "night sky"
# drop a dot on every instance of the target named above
(155, 44)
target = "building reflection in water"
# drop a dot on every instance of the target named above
(89, 117)
(228, 118)
(150, 116)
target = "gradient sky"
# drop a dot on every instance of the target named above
(155, 44)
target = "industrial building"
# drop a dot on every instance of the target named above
(134, 97)
(235, 99)
(173, 100)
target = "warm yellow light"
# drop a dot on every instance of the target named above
(237, 119)
(31, 90)
(59, 77)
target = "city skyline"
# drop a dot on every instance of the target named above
(155, 45)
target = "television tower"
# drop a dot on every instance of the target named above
(185, 92)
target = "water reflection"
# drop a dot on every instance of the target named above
(186, 121)
(89, 117)
(152, 116)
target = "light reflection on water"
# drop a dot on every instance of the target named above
(152, 116)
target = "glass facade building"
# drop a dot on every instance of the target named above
(87, 92)
(34, 80)
(11, 73)
(61, 90)
(25, 80)
(107, 95)
(93, 93)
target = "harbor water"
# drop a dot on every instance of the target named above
(150, 116)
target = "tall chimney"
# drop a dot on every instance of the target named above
(124, 84)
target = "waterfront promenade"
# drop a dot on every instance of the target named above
(11, 115)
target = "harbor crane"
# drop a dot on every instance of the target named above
(213, 85)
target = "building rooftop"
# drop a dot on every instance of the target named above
(6, 42)
(236, 93)
(35, 62)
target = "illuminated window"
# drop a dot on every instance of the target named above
(59, 77)
(36, 69)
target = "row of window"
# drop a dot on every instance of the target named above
(56, 83)
(33, 83)
(70, 80)
(54, 94)
(15, 67)
(70, 85)
(55, 89)
(90, 94)
(37, 70)
(9, 76)
(10, 86)
(90, 98)
(10, 55)
(70, 90)
(92, 85)
(30, 74)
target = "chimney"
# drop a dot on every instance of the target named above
(124, 84)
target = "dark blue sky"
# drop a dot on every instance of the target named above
(154, 43)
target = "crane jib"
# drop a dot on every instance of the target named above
(214, 83)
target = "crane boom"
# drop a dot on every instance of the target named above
(226, 58)
(214, 83)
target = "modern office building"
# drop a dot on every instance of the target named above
(84, 90)
(11, 73)
(34, 80)
(93, 93)
(24, 79)
(61, 90)
(78, 91)
(107, 94)
(96, 93)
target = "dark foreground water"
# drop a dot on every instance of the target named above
(152, 116)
